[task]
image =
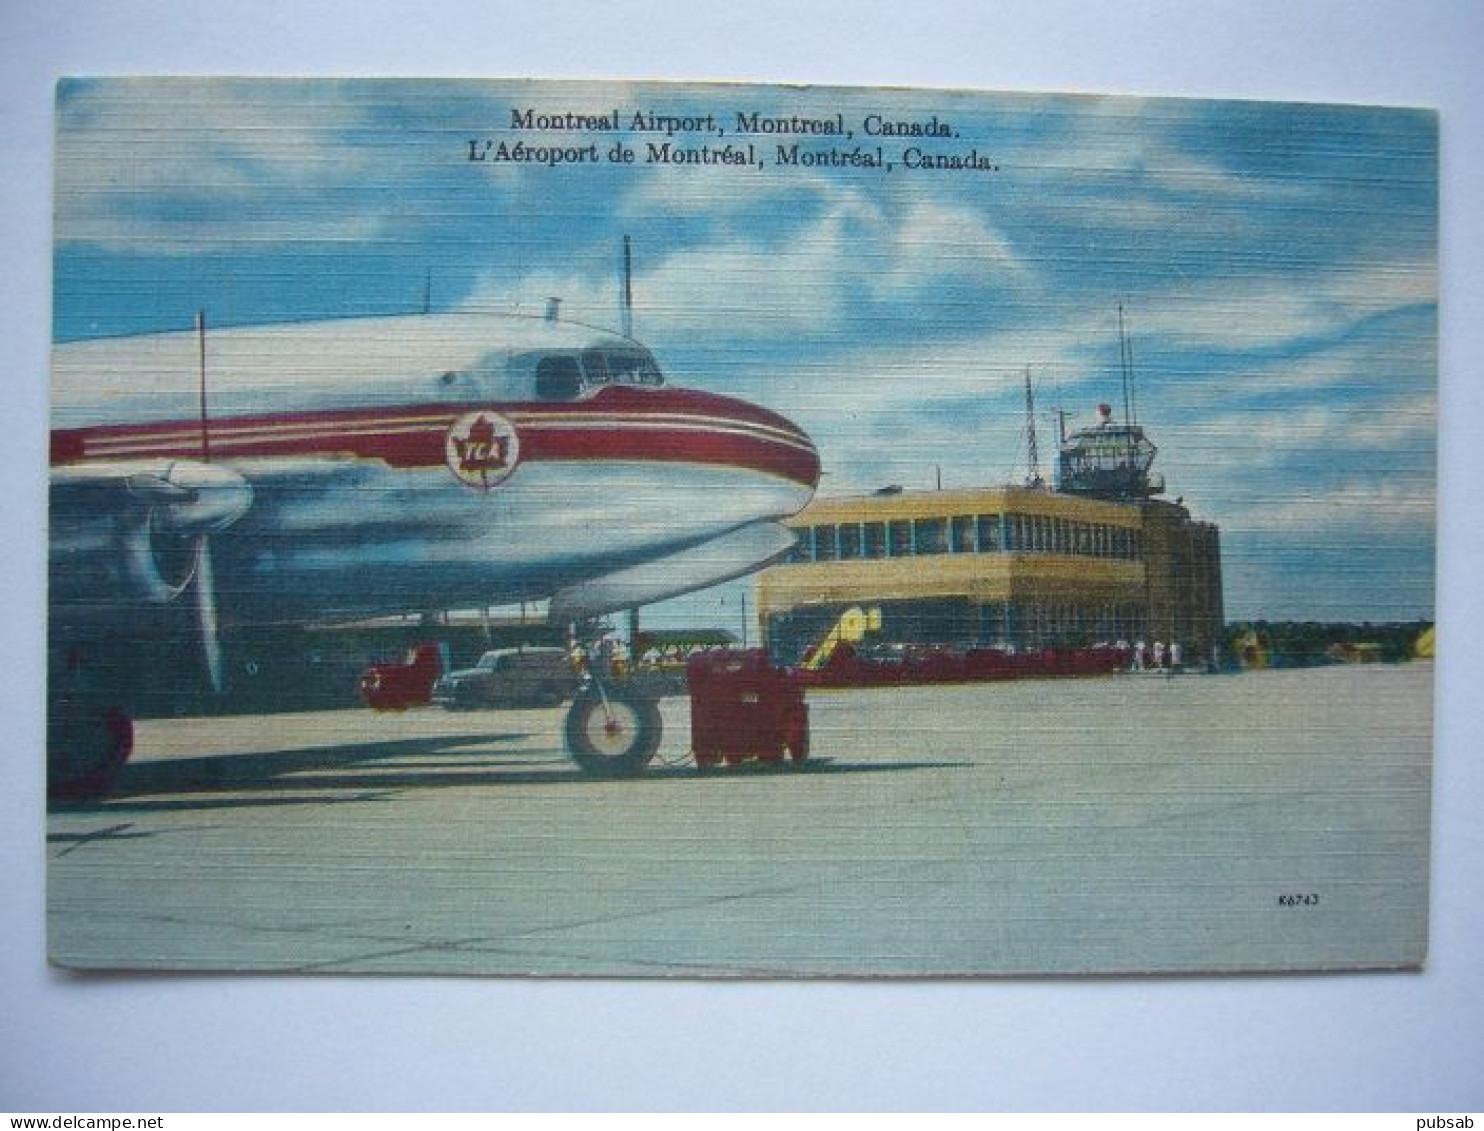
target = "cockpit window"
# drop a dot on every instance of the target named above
(558, 378)
(621, 367)
(565, 376)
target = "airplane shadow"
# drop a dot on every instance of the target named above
(358, 773)
(211, 780)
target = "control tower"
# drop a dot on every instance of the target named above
(1109, 461)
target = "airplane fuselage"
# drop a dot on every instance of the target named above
(406, 464)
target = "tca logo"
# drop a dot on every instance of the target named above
(482, 449)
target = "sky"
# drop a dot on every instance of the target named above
(1276, 265)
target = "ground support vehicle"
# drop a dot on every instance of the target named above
(743, 707)
(395, 687)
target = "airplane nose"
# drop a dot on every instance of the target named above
(776, 444)
(672, 425)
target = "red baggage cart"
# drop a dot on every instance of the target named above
(742, 707)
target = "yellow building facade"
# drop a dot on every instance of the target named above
(1009, 566)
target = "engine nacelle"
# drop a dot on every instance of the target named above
(134, 533)
(161, 536)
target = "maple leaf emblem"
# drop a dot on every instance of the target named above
(483, 450)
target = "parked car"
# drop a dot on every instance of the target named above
(396, 686)
(510, 677)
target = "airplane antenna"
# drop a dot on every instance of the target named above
(201, 373)
(626, 299)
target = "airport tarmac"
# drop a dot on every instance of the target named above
(1262, 821)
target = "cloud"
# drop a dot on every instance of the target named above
(820, 276)
(177, 165)
(1270, 309)
(735, 290)
(1277, 266)
(936, 245)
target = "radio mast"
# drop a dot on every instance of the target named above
(1033, 458)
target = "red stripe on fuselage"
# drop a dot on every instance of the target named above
(617, 423)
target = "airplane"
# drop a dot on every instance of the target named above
(355, 467)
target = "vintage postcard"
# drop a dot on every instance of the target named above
(528, 527)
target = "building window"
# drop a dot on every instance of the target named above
(899, 537)
(850, 541)
(825, 549)
(963, 533)
(932, 535)
(989, 533)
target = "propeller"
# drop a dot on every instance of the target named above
(211, 643)
(176, 512)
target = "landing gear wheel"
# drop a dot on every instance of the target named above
(612, 732)
(86, 746)
(89, 733)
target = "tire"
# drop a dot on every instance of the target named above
(88, 741)
(614, 733)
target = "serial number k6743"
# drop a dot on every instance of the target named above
(1299, 899)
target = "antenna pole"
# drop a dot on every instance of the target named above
(1126, 364)
(1133, 387)
(1032, 456)
(626, 306)
(201, 372)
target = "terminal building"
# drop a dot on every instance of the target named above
(1098, 559)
